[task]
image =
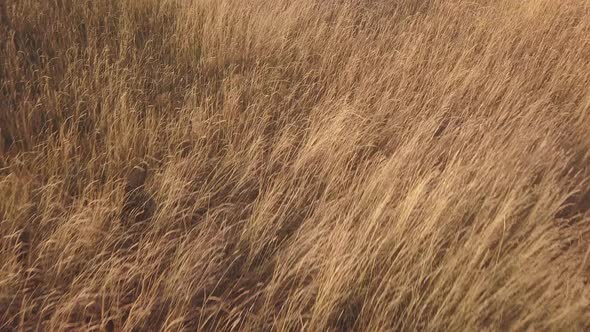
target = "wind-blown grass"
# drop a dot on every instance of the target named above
(294, 165)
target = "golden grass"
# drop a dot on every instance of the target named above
(294, 165)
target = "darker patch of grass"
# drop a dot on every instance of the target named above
(346, 314)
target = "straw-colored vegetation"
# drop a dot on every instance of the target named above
(293, 165)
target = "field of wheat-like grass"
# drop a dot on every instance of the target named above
(294, 165)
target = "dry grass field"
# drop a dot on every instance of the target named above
(282, 165)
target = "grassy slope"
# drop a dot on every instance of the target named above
(287, 165)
